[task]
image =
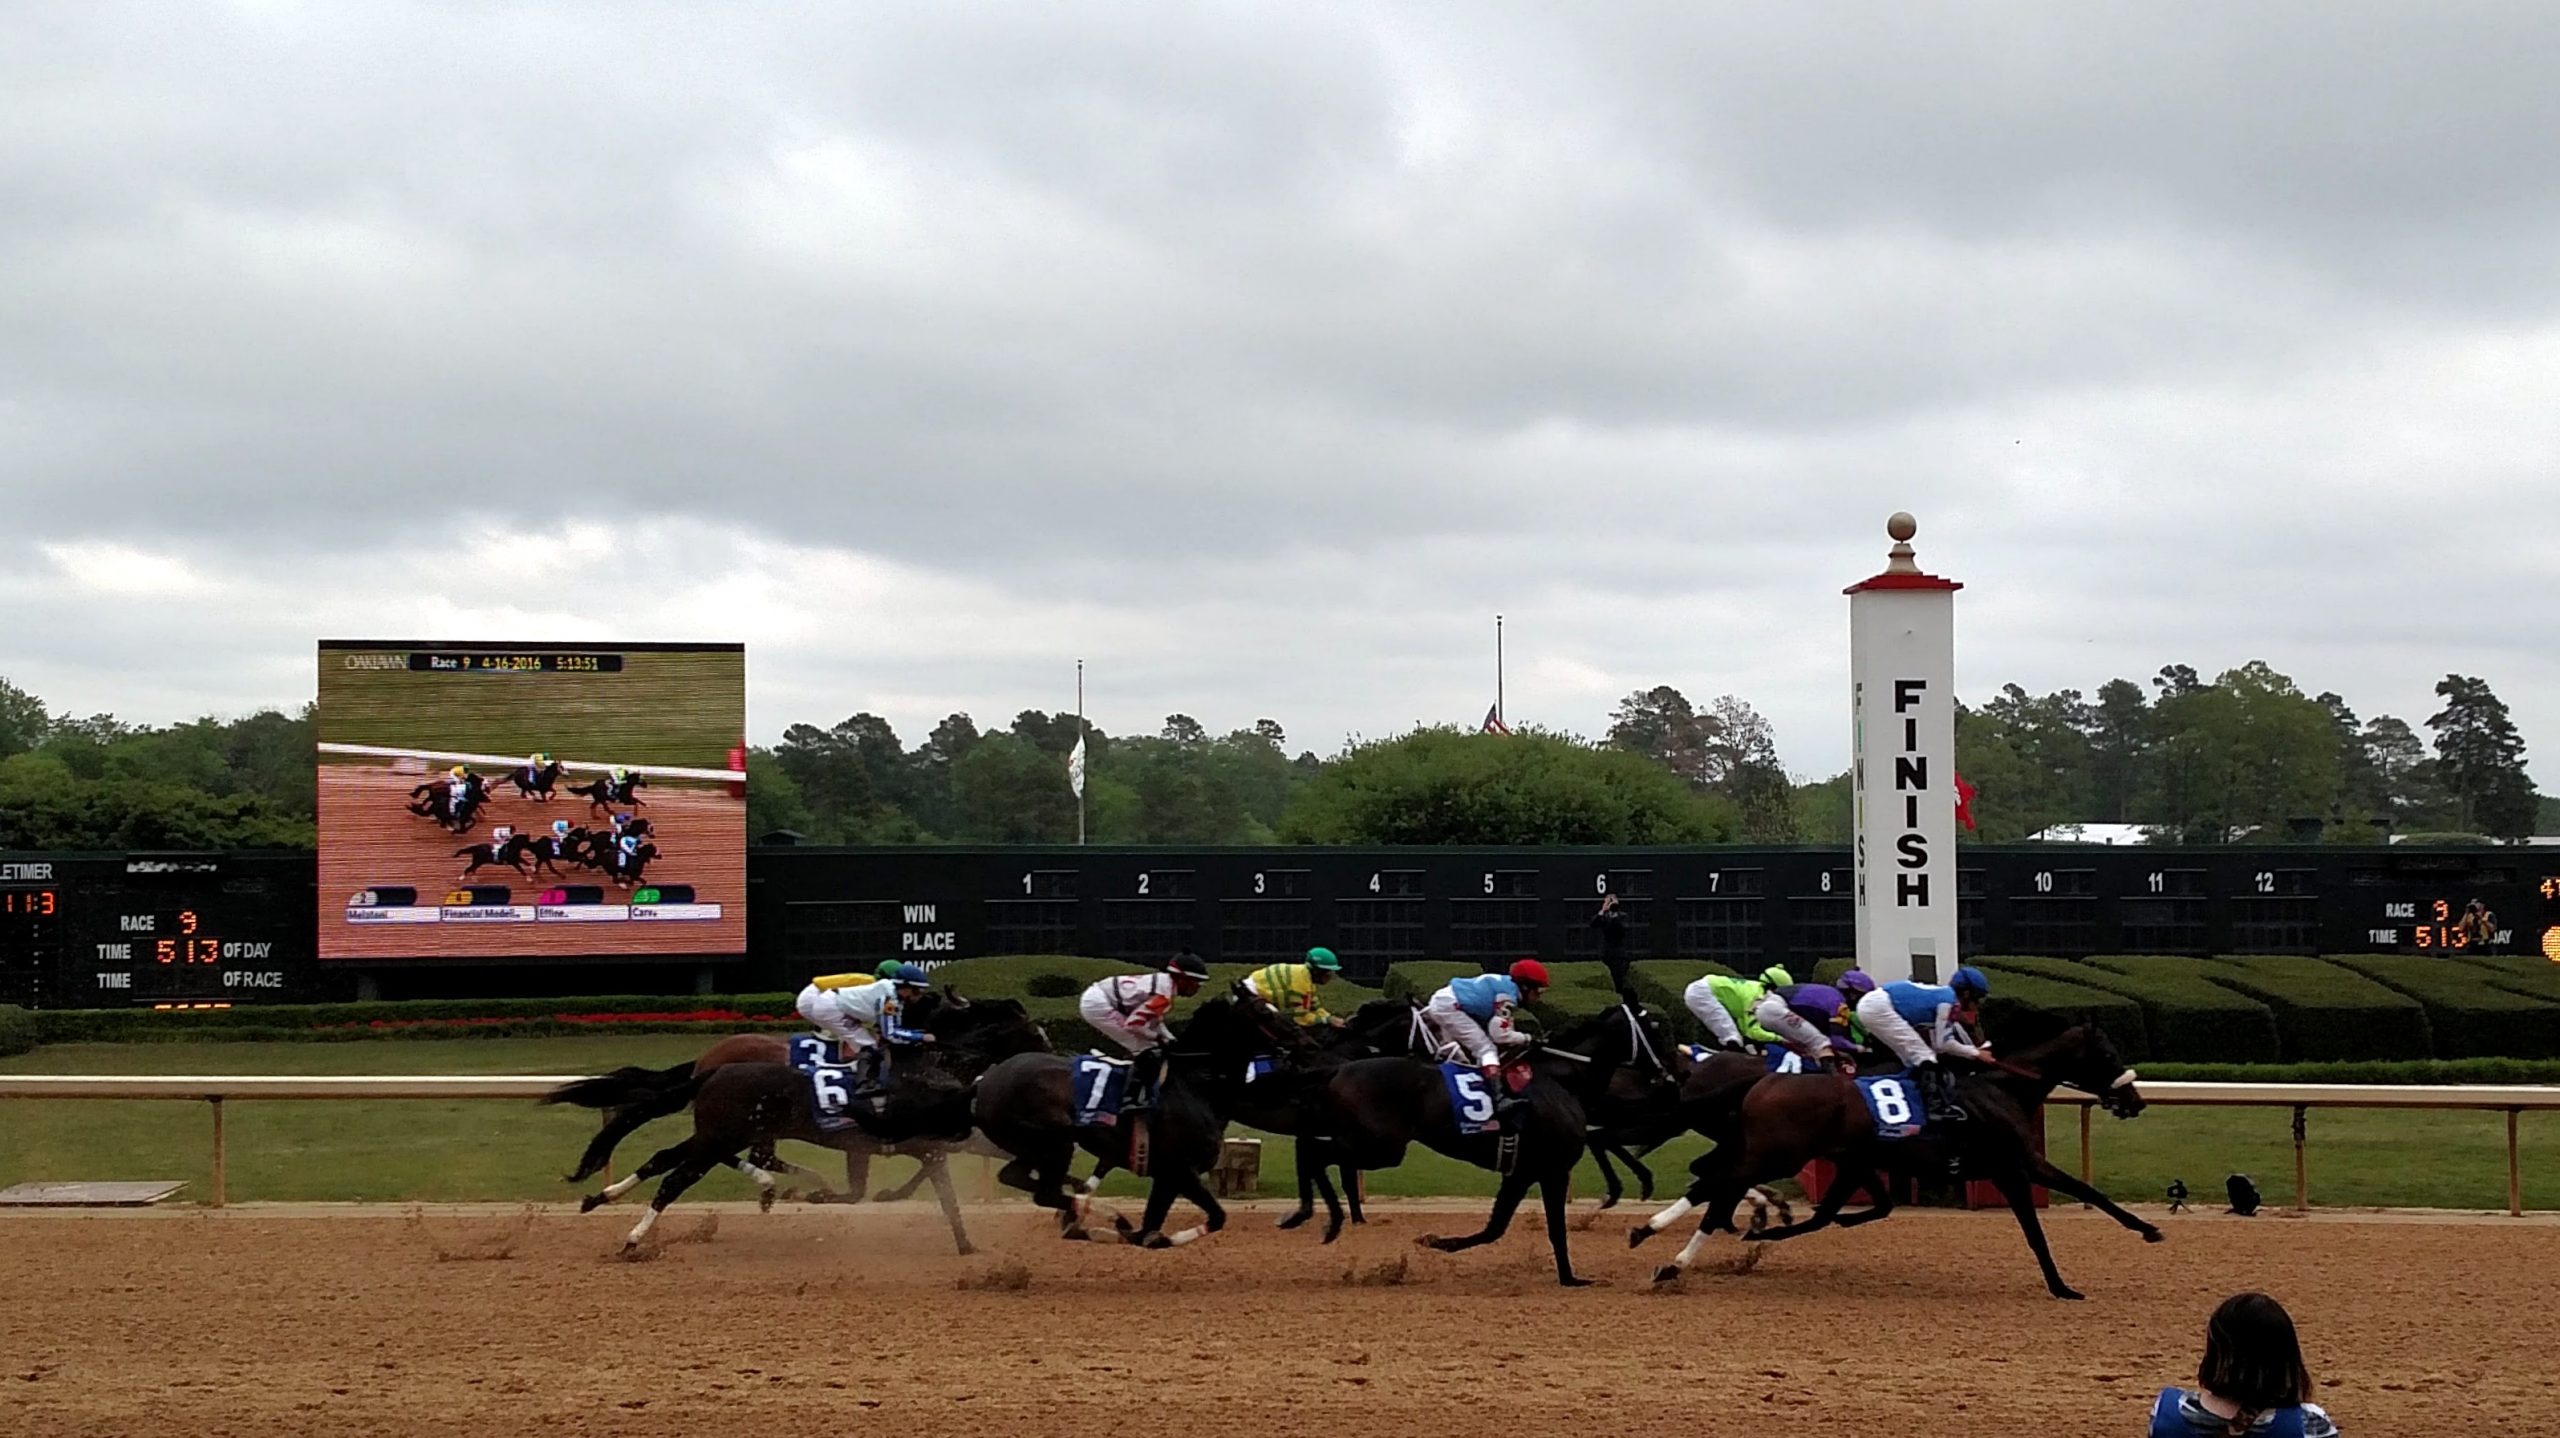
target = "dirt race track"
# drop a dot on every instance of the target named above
(368, 837)
(833, 1321)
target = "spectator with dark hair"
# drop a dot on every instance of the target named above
(2251, 1382)
(2478, 927)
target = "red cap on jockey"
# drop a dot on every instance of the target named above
(1529, 971)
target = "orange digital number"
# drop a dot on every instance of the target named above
(187, 920)
(2444, 911)
(2550, 888)
(166, 950)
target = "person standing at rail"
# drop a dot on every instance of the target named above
(1920, 1022)
(1611, 922)
(1290, 989)
(1726, 1005)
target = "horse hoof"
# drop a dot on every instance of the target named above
(1611, 1202)
(967, 1248)
(2069, 1294)
(1637, 1235)
(1293, 1220)
(591, 1203)
(1572, 1281)
(1332, 1231)
(764, 1201)
(1429, 1241)
(1077, 1235)
(1666, 1273)
(2153, 1235)
(1121, 1225)
(1157, 1240)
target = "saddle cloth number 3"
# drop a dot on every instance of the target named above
(1475, 1105)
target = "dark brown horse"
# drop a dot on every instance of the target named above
(1789, 1120)
(989, 1029)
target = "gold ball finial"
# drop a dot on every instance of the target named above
(1900, 559)
(1902, 526)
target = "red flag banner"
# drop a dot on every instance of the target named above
(1493, 722)
(1964, 802)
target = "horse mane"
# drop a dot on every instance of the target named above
(1584, 1030)
(2024, 1026)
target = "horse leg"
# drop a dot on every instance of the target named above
(2069, 1185)
(1506, 1201)
(2022, 1204)
(1879, 1193)
(1161, 1193)
(658, 1163)
(1823, 1216)
(1615, 1190)
(938, 1168)
(763, 1178)
(1551, 1187)
(618, 1125)
(687, 1173)
(1351, 1192)
(1310, 1177)
(1706, 1171)
(907, 1190)
(1213, 1218)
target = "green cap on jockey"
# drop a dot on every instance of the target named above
(890, 969)
(1322, 958)
(1776, 977)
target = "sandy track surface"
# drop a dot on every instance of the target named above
(368, 837)
(239, 1323)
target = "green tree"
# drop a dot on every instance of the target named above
(1009, 790)
(2119, 746)
(2244, 754)
(24, 723)
(1662, 725)
(2480, 757)
(1445, 786)
(1826, 810)
(1753, 778)
(774, 801)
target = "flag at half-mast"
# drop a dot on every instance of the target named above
(1075, 767)
(1493, 721)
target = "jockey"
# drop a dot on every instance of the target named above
(1473, 1014)
(1920, 1022)
(1853, 986)
(559, 831)
(457, 783)
(500, 837)
(1725, 1005)
(858, 1011)
(1290, 989)
(1806, 1018)
(1130, 1010)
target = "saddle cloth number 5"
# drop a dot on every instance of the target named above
(1477, 1105)
(828, 1086)
(1893, 1102)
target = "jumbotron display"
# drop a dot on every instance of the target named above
(496, 800)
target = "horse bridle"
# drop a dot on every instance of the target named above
(1638, 1043)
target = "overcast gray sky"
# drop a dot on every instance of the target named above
(1260, 354)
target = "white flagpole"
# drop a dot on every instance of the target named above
(1079, 747)
(1502, 718)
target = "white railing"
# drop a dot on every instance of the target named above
(516, 761)
(216, 1089)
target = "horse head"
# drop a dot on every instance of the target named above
(2085, 1058)
(1620, 1036)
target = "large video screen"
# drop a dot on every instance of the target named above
(552, 801)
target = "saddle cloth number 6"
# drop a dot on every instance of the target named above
(827, 1085)
(1477, 1104)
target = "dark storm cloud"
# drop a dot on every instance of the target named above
(1260, 354)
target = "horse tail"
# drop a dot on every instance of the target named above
(664, 1091)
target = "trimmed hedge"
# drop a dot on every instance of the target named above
(1659, 985)
(2015, 992)
(2191, 1019)
(2534, 978)
(17, 1031)
(2468, 1014)
(2325, 1013)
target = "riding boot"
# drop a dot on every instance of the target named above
(869, 1069)
(1938, 1094)
(1146, 1080)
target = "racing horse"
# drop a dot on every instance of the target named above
(1788, 1120)
(737, 1120)
(609, 793)
(1026, 1106)
(625, 868)
(1371, 1111)
(435, 800)
(535, 781)
(510, 854)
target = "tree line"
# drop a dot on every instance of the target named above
(2244, 756)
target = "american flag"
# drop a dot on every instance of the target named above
(1493, 721)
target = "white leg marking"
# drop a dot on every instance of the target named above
(1690, 1249)
(620, 1186)
(641, 1229)
(1669, 1216)
(1195, 1231)
(764, 1180)
(1089, 1185)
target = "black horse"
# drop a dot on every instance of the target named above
(1373, 1110)
(740, 1109)
(535, 781)
(510, 853)
(1026, 1106)
(546, 851)
(436, 800)
(610, 793)
(625, 868)
(1788, 1120)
